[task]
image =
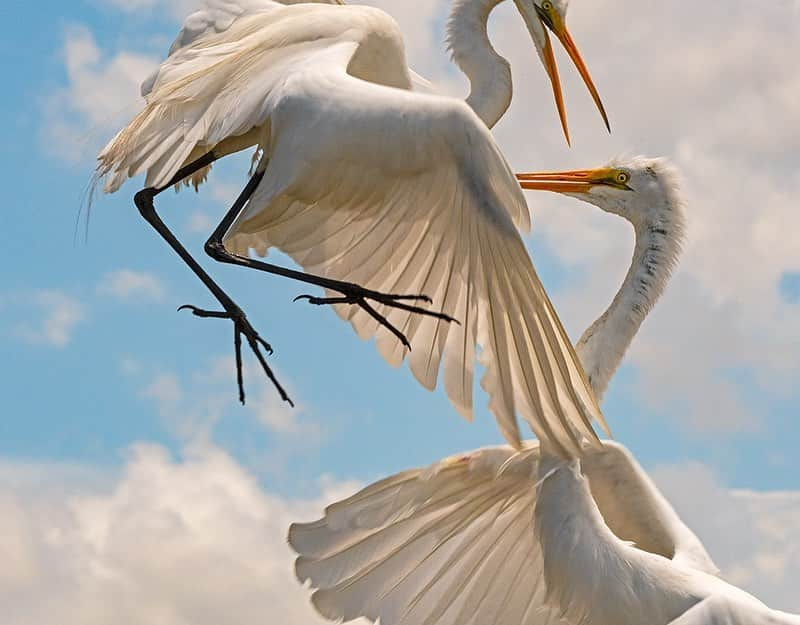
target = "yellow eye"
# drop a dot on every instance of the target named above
(623, 177)
(547, 6)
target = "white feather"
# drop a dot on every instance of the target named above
(456, 542)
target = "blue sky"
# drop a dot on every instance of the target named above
(76, 402)
(95, 358)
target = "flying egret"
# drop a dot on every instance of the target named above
(455, 543)
(379, 189)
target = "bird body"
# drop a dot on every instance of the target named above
(369, 183)
(593, 577)
(459, 542)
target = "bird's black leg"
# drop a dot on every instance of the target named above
(144, 202)
(350, 293)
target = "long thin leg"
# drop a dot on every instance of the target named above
(144, 202)
(351, 293)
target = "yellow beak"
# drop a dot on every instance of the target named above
(577, 181)
(554, 22)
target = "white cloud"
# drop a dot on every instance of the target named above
(189, 541)
(53, 317)
(165, 390)
(754, 537)
(101, 94)
(195, 540)
(200, 223)
(722, 105)
(177, 9)
(126, 284)
(193, 404)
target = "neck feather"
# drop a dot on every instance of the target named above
(489, 73)
(604, 343)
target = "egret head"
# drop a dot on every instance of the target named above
(541, 16)
(645, 191)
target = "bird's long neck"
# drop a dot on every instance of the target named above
(489, 73)
(591, 576)
(604, 343)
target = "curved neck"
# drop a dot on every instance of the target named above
(604, 343)
(489, 73)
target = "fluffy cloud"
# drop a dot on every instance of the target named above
(52, 317)
(753, 537)
(126, 284)
(189, 541)
(714, 94)
(101, 93)
(196, 540)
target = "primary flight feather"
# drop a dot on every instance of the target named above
(379, 189)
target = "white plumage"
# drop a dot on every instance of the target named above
(367, 182)
(458, 543)
(495, 536)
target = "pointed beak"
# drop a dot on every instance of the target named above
(556, 24)
(578, 181)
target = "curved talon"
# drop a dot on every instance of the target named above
(205, 314)
(266, 346)
(241, 326)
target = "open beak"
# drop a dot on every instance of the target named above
(578, 181)
(554, 22)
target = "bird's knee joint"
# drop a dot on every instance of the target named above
(144, 202)
(215, 249)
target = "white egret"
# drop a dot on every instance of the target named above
(457, 543)
(655, 209)
(593, 577)
(379, 189)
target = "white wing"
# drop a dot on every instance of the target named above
(215, 17)
(453, 543)
(408, 193)
(450, 545)
(396, 191)
(722, 610)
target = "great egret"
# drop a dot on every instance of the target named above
(459, 543)
(592, 576)
(456, 543)
(655, 209)
(367, 183)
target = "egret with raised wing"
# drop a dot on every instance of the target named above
(379, 190)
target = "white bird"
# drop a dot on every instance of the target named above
(458, 542)
(367, 183)
(593, 577)
(462, 542)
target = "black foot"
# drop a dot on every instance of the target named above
(354, 294)
(241, 326)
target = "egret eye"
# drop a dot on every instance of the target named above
(547, 6)
(623, 177)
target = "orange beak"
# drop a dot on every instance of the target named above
(578, 181)
(554, 22)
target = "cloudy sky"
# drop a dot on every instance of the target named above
(133, 488)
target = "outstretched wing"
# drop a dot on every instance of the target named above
(397, 191)
(402, 192)
(449, 545)
(217, 16)
(455, 543)
(219, 86)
